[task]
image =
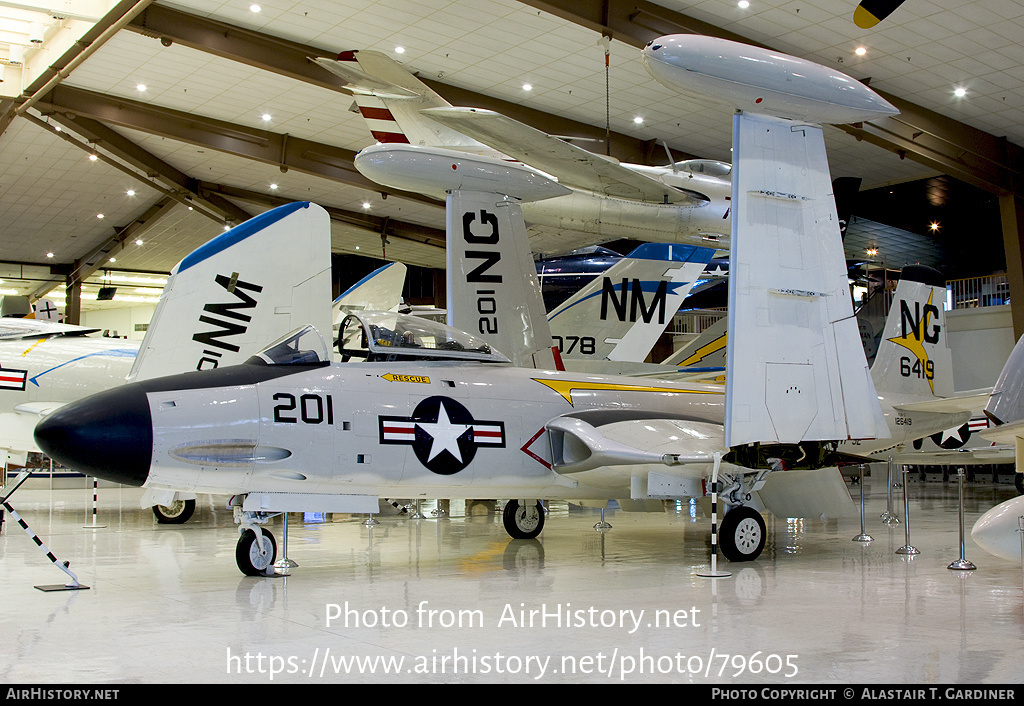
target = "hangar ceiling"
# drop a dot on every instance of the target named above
(195, 151)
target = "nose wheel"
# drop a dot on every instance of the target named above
(742, 534)
(255, 552)
(523, 521)
(177, 512)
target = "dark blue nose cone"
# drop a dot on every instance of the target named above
(108, 435)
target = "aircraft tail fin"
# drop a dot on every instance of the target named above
(797, 370)
(913, 357)
(390, 98)
(240, 292)
(621, 314)
(381, 290)
(705, 351)
(493, 290)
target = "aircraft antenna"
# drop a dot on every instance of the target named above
(606, 41)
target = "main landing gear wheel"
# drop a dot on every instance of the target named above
(742, 534)
(177, 513)
(252, 560)
(523, 521)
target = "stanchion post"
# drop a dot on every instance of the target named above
(889, 517)
(284, 565)
(961, 564)
(95, 499)
(715, 573)
(907, 549)
(863, 536)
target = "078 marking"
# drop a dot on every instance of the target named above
(587, 344)
(311, 408)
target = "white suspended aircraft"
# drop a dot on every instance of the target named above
(687, 202)
(433, 412)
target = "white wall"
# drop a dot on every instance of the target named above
(121, 320)
(980, 341)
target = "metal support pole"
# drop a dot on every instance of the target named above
(889, 517)
(284, 565)
(906, 549)
(961, 564)
(863, 536)
(370, 522)
(715, 573)
(602, 526)
(95, 496)
(418, 515)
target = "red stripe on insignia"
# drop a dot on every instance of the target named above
(372, 113)
(389, 137)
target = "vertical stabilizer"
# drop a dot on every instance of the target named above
(913, 358)
(620, 314)
(381, 290)
(241, 291)
(389, 98)
(493, 290)
(797, 370)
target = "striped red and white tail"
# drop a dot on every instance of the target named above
(390, 99)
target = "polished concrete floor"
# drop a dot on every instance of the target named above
(450, 600)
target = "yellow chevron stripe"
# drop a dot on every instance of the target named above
(565, 388)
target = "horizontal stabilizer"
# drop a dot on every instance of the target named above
(358, 81)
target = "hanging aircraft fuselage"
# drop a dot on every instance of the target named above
(703, 220)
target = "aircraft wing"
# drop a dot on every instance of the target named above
(571, 165)
(39, 328)
(966, 402)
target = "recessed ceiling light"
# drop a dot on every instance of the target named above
(113, 259)
(93, 158)
(227, 227)
(399, 50)
(960, 92)
(99, 215)
(254, 8)
(860, 51)
(934, 226)
(366, 204)
(527, 86)
(49, 254)
(273, 186)
(872, 251)
(638, 120)
(130, 192)
(266, 117)
(138, 242)
(743, 4)
(140, 87)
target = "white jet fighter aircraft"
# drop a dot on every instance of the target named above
(226, 300)
(433, 412)
(687, 202)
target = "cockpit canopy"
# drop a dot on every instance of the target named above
(387, 336)
(303, 346)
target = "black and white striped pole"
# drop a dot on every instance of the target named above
(715, 573)
(74, 584)
(95, 497)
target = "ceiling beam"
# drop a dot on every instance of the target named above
(291, 59)
(390, 227)
(973, 156)
(94, 111)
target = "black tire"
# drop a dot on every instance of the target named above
(1018, 482)
(522, 522)
(742, 534)
(177, 513)
(248, 556)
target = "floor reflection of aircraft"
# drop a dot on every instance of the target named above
(686, 202)
(431, 411)
(225, 300)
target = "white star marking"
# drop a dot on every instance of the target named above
(445, 434)
(950, 434)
